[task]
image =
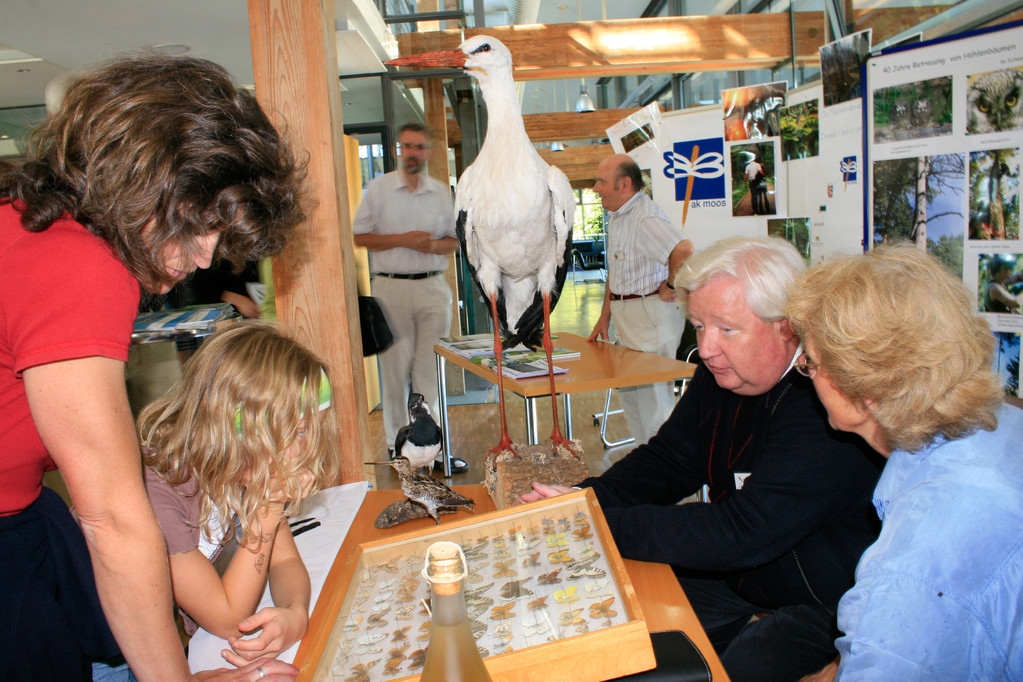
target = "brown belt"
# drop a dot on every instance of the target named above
(629, 297)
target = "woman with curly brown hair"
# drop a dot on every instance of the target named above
(151, 167)
(899, 356)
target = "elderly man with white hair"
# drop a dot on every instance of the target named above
(789, 511)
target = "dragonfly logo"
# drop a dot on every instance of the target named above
(698, 169)
(849, 167)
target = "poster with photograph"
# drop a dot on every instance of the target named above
(639, 135)
(751, 112)
(691, 180)
(754, 179)
(840, 67)
(793, 230)
(1006, 362)
(945, 126)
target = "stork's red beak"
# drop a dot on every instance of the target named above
(441, 58)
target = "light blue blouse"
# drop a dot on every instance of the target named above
(939, 596)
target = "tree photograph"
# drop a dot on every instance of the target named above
(994, 194)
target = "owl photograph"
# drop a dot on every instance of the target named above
(913, 110)
(993, 102)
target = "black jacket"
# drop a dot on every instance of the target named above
(794, 531)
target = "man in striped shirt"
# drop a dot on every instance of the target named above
(644, 251)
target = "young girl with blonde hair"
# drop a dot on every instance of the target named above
(240, 440)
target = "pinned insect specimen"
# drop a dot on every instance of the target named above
(557, 540)
(416, 659)
(549, 578)
(582, 533)
(375, 620)
(563, 523)
(404, 612)
(537, 604)
(560, 556)
(360, 672)
(371, 638)
(571, 617)
(405, 595)
(602, 609)
(586, 572)
(368, 649)
(383, 596)
(597, 585)
(401, 634)
(536, 626)
(503, 611)
(515, 589)
(580, 518)
(566, 595)
(477, 627)
(352, 624)
(477, 591)
(532, 560)
(501, 554)
(389, 566)
(505, 569)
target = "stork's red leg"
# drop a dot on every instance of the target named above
(505, 442)
(556, 437)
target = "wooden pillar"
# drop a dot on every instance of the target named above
(295, 66)
(436, 122)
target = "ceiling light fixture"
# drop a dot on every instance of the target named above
(584, 103)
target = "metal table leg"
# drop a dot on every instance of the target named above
(442, 398)
(532, 433)
(568, 415)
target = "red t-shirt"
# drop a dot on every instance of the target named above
(63, 295)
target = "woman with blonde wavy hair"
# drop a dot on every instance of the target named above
(898, 355)
(242, 437)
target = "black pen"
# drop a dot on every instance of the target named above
(299, 531)
(300, 521)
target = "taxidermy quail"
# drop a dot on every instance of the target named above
(426, 490)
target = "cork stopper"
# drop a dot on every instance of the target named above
(445, 563)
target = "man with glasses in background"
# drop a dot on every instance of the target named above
(765, 563)
(406, 220)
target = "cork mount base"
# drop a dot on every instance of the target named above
(511, 476)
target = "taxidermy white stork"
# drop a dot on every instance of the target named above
(514, 215)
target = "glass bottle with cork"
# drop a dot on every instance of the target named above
(452, 655)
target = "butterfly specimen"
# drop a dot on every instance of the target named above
(549, 578)
(503, 611)
(586, 572)
(369, 638)
(596, 586)
(400, 634)
(477, 591)
(557, 540)
(532, 560)
(566, 595)
(416, 659)
(537, 604)
(360, 672)
(387, 584)
(404, 612)
(560, 556)
(582, 533)
(352, 624)
(376, 620)
(505, 569)
(571, 617)
(515, 589)
(581, 518)
(602, 609)
(389, 566)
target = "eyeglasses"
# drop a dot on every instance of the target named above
(805, 367)
(408, 146)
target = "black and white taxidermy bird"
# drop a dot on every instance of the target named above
(514, 215)
(426, 490)
(419, 440)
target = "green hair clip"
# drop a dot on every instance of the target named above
(324, 399)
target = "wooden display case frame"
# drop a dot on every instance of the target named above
(601, 653)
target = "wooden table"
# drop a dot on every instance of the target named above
(664, 604)
(599, 367)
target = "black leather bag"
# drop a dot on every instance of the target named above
(376, 335)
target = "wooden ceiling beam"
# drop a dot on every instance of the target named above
(570, 125)
(578, 163)
(619, 47)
